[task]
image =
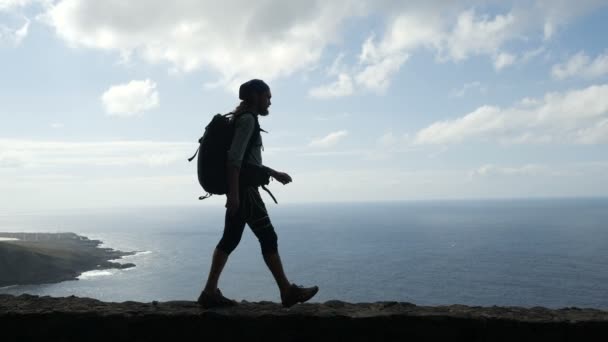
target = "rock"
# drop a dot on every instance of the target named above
(41, 258)
(29, 317)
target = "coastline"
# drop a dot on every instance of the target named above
(45, 258)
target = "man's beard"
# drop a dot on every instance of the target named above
(264, 112)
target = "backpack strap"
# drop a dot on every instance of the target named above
(257, 129)
(195, 153)
(270, 193)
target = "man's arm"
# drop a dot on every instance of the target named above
(282, 177)
(243, 130)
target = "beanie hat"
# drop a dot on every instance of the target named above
(251, 87)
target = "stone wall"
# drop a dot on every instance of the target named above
(28, 317)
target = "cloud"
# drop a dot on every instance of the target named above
(586, 178)
(14, 35)
(289, 37)
(530, 54)
(388, 139)
(387, 145)
(595, 134)
(87, 190)
(14, 23)
(11, 5)
(503, 60)
(479, 34)
(576, 116)
(376, 76)
(329, 140)
(236, 39)
(11, 159)
(556, 13)
(130, 98)
(342, 87)
(455, 31)
(453, 38)
(467, 87)
(525, 170)
(334, 116)
(581, 65)
(18, 153)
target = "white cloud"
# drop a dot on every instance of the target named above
(13, 12)
(376, 76)
(467, 87)
(581, 65)
(10, 5)
(16, 153)
(329, 140)
(595, 134)
(57, 191)
(57, 125)
(342, 87)
(388, 139)
(454, 38)
(387, 145)
(237, 39)
(337, 67)
(455, 31)
(11, 159)
(576, 116)
(291, 36)
(557, 13)
(479, 34)
(525, 170)
(530, 54)
(380, 60)
(130, 98)
(503, 60)
(14, 35)
(334, 116)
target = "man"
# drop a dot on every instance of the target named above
(244, 204)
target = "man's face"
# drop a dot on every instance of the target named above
(264, 102)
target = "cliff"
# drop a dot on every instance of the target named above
(82, 319)
(39, 258)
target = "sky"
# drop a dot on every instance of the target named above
(102, 102)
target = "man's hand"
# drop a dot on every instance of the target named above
(282, 177)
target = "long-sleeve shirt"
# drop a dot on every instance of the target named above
(243, 130)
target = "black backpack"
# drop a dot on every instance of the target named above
(212, 156)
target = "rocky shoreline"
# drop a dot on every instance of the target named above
(29, 317)
(42, 258)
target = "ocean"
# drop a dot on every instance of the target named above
(533, 252)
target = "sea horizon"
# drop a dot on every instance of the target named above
(531, 252)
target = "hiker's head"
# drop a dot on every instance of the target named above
(255, 95)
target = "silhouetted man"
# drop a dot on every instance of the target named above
(244, 204)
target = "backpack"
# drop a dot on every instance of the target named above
(212, 156)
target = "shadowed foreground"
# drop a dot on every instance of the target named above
(85, 319)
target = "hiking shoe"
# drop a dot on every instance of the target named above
(297, 294)
(214, 300)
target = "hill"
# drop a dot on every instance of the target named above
(38, 258)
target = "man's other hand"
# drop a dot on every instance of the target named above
(282, 177)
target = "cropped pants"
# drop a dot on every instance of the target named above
(252, 212)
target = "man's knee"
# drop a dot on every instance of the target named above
(268, 240)
(227, 245)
